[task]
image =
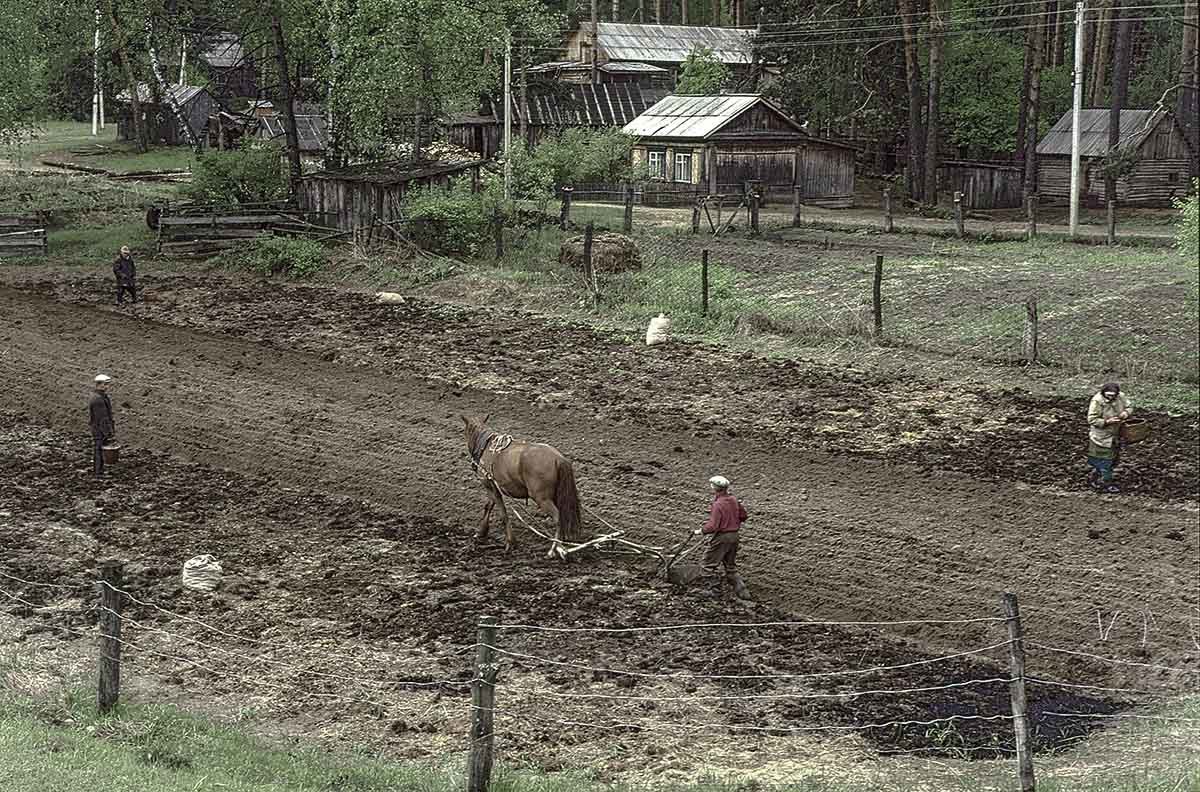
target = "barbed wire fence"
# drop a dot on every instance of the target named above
(530, 679)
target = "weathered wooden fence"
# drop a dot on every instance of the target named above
(202, 229)
(646, 194)
(22, 235)
(984, 185)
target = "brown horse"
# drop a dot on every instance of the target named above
(535, 471)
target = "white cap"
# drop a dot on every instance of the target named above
(719, 482)
(102, 378)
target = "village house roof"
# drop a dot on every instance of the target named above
(1135, 127)
(182, 93)
(309, 128)
(224, 51)
(672, 43)
(603, 105)
(393, 171)
(622, 67)
(697, 117)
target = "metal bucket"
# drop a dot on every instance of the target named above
(1134, 430)
(111, 453)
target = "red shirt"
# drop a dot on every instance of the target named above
(726, 515)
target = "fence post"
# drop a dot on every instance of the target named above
(110, 635)
(1016, 653)
(564, 216)
(958, 214)
(877, 295)
(1110, 237)
(589, 271)
(696, 217)
(1031, 210)
(796, 206)
(498, 231)
(887, 211)
(483, 702)
(1031, 330)
(628, 209)
(754, 199)
(704, 282)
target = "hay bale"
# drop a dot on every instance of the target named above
(610, 253)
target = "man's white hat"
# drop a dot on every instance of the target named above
(103, 378)
(719, 482)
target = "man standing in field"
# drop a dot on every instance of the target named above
(100, 419)
(725, 519)
(126, 274)
(1106, 411)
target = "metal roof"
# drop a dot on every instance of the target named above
(309, 128)
(672, 43)
(224, 51)
(603, 105)
(182, 93)
(1136, 125)
(693, 116)
(609, 68)
(393, 171)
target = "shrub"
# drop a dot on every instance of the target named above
(1187, 229)
(453, 222)
(253, 173)
(294, 258)
(579, 156)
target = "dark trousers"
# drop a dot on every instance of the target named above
(721, 554)
(97, 455)
(126, 286)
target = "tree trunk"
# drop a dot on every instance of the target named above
(1187, 101)
(1023, 103)
(658, 12)
(1029, 183)
(916, 102)
(937, 45)
(135, 102)
(716, 13)
(168, 95)
(334, 156)
(683, 12)
(286, 101)
(522, 131)
(616, 10)
(1100, 56)
(1060, 34)
(1120, 87)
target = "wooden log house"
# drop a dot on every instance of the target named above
(1162, 158)
(718, 143)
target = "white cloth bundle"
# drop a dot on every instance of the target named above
(659, 330)
(202, 573)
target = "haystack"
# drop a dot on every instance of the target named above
(610, 253)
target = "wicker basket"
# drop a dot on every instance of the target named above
(1134, 430)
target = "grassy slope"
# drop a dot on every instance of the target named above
(65, 747)
(62, 141)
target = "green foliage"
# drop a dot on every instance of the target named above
(576, 156)
(22, 89)
(456, 222)
(703, 74)
(293, 258)
(1187, 229)
(1120, 162)
(251, 174)
(978, 103)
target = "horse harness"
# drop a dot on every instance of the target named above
(487, 440)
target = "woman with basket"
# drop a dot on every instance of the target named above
(1107, 410)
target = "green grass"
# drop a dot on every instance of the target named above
(66, 141)
(65, 746)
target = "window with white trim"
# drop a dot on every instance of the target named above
(656, 163)
(683, 167)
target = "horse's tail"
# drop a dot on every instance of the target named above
(566, 499)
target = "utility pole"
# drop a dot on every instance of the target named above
(508, 103)
(595, 39)
(96, 77)
(1076, 111)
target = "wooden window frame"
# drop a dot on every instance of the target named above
(661, 173)
(682, 155)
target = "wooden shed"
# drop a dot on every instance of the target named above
(550, 109)
(720, 142)
(372, 195)
(196, 103)
(229, 69)
(1161, 167)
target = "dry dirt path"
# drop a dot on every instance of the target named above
(831, 536)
